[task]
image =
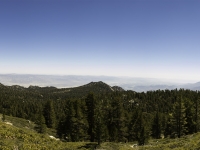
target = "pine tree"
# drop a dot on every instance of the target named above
(73, 125)
(142, 135)
(132, 126)
(112, 130)
(190, 116)
(41, 122)
(178, 119)
(61, 128)
(116, 124)
(90, 104)
(120, 120)
(137, 128)
(100, 128)
(196, 107)
(168, 126)
(81, 124)
(156, 126)
(49, 114)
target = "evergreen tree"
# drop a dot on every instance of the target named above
(142, 138)
(61, 129)
(41, 124)
(81, 124)
(73, 127)
(112, 130)
(178, 119)
(119, 119)
(156, 126)
(49, 114)
(137, 128)
(100, 128)
(90, 103)
(168, 127)
(196, 107)
(116, 125)
(190, 116)
(132, 126)
(142, 134)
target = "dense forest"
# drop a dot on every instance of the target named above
(98, 112)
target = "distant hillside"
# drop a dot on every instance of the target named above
(68, 81)
(154, 88)
(194, 86)
(80, 91)
(191, 86)
(117, 88)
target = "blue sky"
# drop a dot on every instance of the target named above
(135, 38)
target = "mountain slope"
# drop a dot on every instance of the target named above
(24, 138)
(12, 137)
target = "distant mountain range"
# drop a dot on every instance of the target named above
(116, 83)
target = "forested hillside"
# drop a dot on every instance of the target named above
(99, 113)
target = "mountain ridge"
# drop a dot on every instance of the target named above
(94, 87)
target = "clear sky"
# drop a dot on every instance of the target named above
(136, 38)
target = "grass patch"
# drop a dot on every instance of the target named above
(12, 137)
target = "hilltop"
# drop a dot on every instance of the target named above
(97, 87)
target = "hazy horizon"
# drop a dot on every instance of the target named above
(135, 77)
(127, 83)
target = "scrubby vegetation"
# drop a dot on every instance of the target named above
(24, 138)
